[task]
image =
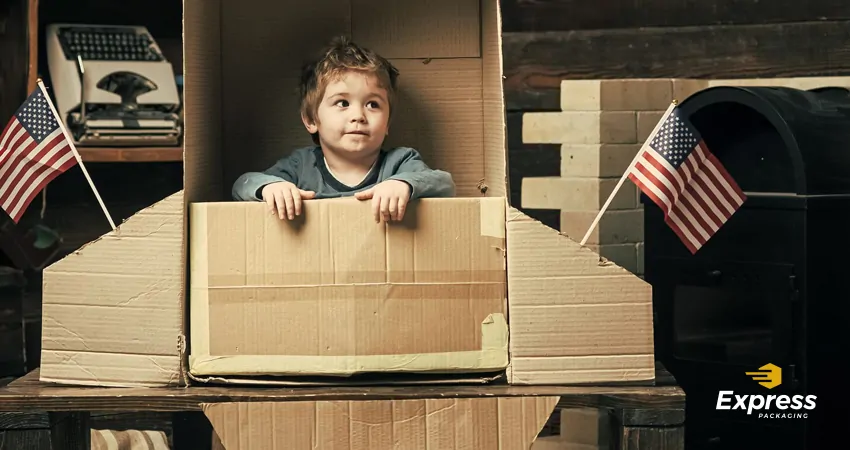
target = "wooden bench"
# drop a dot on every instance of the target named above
(643, 417)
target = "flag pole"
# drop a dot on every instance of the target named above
(76, 154)
(626, 173)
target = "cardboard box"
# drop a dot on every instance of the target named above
(115, 311)
(334, 293)
(505, 423)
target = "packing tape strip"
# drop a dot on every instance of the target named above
(492, 217)
(492, 356)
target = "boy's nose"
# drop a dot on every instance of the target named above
(358, 113)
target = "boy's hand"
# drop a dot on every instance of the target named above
(284, 197)
(389, 199)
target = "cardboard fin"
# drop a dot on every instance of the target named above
(575, 316)
(112, 310)
(504, 423)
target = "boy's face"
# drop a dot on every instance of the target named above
(353, 115)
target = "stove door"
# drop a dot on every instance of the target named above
(726, 313)
(715, 321)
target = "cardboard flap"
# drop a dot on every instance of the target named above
(348, 295)
(575, 317)
(120, 323)
(505, 423)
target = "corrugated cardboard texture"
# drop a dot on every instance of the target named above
(336, 293)
(431, 424)
(202, 100)
(264, 44)
(495, 181)
(574, 317)
(447, 51)
(395, 29)
(107, 323)
(440, 109)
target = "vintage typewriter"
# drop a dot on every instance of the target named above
(113, 86)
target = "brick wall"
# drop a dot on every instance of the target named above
(601, 126)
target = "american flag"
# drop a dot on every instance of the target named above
(33, 151)
(677, 171)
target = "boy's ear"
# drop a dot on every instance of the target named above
(310, 125)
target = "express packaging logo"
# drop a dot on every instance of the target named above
(769, 376)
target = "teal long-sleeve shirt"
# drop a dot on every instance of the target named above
(306, 169)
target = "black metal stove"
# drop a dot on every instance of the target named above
(771, 286)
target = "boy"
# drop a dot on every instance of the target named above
(346, 102)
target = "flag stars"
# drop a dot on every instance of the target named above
(675, 140)
(29, 134)
(37, 117)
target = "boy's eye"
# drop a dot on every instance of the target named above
(373, 104)
(342, 103)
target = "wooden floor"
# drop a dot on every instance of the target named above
(644, 417)
(30, 394)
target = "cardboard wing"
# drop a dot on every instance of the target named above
(575, 317)
(113, 310)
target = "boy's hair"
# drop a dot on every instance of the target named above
(339, 57)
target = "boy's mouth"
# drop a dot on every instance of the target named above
(361, 133)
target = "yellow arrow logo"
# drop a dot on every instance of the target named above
(768, 376)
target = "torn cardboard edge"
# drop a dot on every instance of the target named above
(493, 356)
(344, 366)
(483, 423)
(515, 215)
(367, 380)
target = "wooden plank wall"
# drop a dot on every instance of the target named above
(14, 51)
(546, 41)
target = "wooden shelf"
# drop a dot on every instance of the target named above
(130, 154)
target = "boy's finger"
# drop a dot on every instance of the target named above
(307, 195)
(280, 202)
(270, 201)
(296, 197)
(402, 206)
(393, 208)
(376, 208)
(385, 209)
(287, 196)
(363, 195)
